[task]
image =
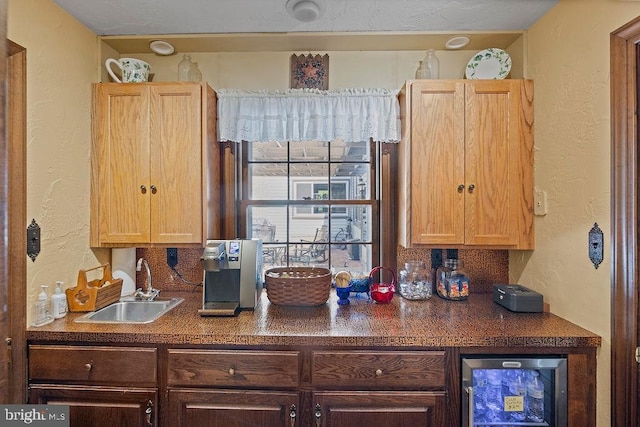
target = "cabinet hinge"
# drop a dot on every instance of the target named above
(637, 354)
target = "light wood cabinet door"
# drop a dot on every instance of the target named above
(120, 164)
(467, 164)
(175, 164)
(380, 409)
(150, 163)
(437, 162)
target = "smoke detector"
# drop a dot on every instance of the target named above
(305, 10)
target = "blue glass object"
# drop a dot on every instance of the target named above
(343, 295)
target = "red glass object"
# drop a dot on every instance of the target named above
(382, 292)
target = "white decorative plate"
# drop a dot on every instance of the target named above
(492, 63)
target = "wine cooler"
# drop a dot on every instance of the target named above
(514, 391)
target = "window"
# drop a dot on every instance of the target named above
(312, 203)
(319, 191)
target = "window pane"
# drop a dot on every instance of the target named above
(268, 223)
(354, 258)
(309, 151)
(310, 249)
(268, 181)
(305, 227)
(350, 151)
(310, 188)
(268, 151)
(354, 225)
(342, 188)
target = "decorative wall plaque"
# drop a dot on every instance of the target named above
(596, 245)
(309, 72)
(33, 240)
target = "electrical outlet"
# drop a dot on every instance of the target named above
(540, 203)
(172, 257)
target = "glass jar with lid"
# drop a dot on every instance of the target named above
(414, 284)
(452, 280)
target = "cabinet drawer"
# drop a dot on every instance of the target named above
(89, 364)
(226, 368)
(406, 370)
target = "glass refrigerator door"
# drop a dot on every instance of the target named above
(514, 392)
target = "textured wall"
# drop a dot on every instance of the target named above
(62, 60)
(568, 58)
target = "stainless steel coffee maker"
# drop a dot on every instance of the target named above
(232, 276)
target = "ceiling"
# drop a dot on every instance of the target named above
(163, 17)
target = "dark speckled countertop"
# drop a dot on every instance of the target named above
(477, 322)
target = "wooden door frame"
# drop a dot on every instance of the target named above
(624, 44)
(16, 112)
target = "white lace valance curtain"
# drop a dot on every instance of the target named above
(353, 115)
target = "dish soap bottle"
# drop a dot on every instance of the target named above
(42, 310)
(58, 302)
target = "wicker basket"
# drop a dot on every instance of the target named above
(298, 286)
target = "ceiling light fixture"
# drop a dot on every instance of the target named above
(161, 47)
(457, 42)
(305, 10)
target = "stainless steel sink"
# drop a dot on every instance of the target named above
(131, 311)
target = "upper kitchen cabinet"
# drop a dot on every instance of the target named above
(154, 164)
(466, 164)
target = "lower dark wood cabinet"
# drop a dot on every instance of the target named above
(380, 409)
(100, 406)
(232, 408)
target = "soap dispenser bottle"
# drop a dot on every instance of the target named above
(58, 302)
(42, 309)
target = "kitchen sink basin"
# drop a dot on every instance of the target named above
(131, 311)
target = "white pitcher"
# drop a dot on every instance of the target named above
(132, 70)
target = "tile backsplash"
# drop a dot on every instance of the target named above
(484, 267)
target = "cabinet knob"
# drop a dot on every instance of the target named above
(460, 188)
(143, 189)
(232, 371)
(154, 189)
(88, 366)
(471, 188)
(378, 372)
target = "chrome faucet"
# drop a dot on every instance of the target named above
(149, 294)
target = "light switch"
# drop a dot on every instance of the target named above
(540, 203)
